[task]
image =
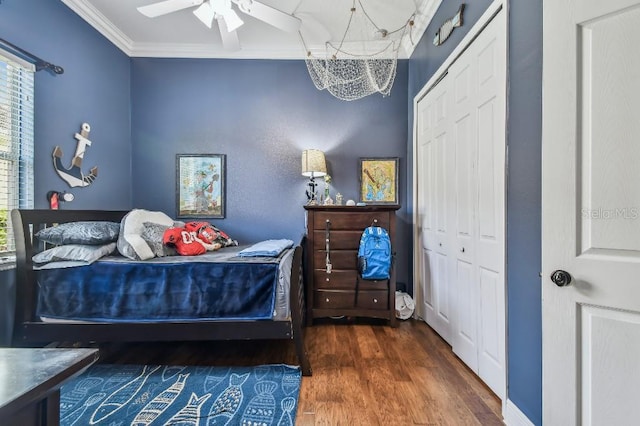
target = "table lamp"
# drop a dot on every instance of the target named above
(313, 165)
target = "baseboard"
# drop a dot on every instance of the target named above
(514, 417)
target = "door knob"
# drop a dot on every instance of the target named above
(561, 278)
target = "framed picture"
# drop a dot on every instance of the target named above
(379, 180)
(200, 185)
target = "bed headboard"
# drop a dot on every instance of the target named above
(25, 224)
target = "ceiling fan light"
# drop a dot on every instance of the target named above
(232, 20)
(205, 14)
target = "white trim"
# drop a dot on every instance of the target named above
(97, 20)
(420, 24)
(513, 416)
(203, 51)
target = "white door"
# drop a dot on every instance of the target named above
(591, 212)
(478, 88)
(434, 200)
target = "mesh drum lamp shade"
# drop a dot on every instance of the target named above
(313, 164)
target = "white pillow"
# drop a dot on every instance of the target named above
(84, 253)
(130, 242)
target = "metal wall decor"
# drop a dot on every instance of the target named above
(73, 174)
(447, 28)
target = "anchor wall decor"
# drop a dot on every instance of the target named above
(73, 175)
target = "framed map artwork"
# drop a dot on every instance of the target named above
(379, 180)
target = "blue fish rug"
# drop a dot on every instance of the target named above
(118, 394)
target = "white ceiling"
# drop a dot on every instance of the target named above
(181, 34)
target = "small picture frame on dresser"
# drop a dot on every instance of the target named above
(379, 180)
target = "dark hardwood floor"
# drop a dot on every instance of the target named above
(363, 374)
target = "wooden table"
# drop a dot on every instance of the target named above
(30, 381)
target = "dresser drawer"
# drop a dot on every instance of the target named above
(366, 285)
(329, 299)
(340, 259)
(343, 280)
(373, 300)
(350, 220)
(345, 240)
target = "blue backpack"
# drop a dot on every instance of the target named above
(374, 254)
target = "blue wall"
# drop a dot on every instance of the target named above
(95, 88)
(261, 114)
(524, 323)
(524, 208)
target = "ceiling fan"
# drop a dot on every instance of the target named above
(228, 20)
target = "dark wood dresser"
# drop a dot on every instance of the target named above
(340, 291)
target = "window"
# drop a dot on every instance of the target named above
(16, 143)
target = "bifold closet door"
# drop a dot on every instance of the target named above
(478, 88)
(434, 205)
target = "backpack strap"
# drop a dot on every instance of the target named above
(327, 238)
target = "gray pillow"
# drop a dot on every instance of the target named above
(92, 233)
(152, 234)
(77, 252)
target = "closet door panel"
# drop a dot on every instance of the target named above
(465, 338)
(434, 193)
(490, 355)
(489, 55)
(464, 343)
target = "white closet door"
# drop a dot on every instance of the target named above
(460, 199)
(478, 111)
(490, 54)
(465, 141)
(434, 195)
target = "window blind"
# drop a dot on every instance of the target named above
(16, 143)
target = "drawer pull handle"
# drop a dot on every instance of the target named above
(327, 300)
(375, 300)
(328, 279)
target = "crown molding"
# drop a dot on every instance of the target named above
(420, 23)
(98, 21)
(108, 29)
(202, 51)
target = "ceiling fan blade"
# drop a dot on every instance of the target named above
(232, 20)
(205, 14)
(168, 6)
(270, 15)
(230, 40)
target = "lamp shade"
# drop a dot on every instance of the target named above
(313, 164)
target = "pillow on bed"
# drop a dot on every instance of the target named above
(130, 242)
(76, 252)
(93, 233)
(152, 234)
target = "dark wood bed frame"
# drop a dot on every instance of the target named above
(29, 330)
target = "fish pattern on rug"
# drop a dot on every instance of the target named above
(181, 395)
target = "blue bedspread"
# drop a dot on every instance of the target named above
(167, 289)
